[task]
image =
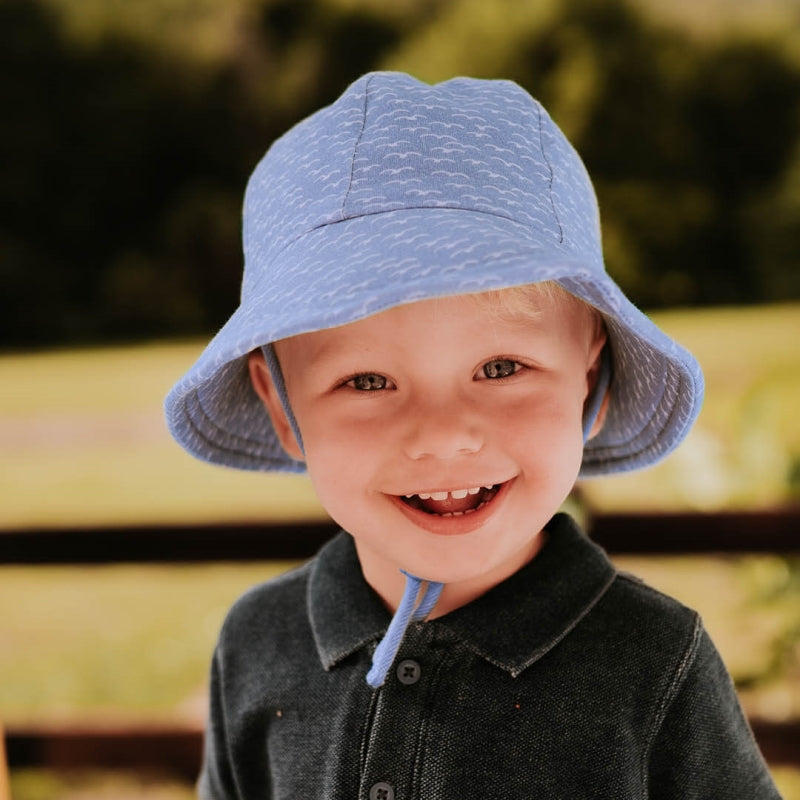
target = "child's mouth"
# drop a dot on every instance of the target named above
(455, 503)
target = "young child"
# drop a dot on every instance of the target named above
(427, 327)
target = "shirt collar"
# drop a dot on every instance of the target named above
(345, 613)
(530, 612)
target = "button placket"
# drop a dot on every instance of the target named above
(396, 733)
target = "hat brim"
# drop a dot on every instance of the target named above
(348, 270)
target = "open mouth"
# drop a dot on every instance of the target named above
(456, 503)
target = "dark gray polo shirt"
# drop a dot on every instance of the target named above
(568, 680)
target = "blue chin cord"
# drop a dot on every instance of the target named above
(420, 596)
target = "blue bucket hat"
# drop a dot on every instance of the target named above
(400, 191)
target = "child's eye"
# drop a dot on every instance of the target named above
(500, 368)
(369, 382)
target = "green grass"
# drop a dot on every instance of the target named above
(119, 642)
(744, 451)
(84, 442)
(36, 784)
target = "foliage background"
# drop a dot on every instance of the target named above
(130, 129)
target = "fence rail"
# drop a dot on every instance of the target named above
(753, 532)
(176, 751)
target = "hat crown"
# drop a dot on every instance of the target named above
(392, 143)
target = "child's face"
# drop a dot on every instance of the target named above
(454, 395)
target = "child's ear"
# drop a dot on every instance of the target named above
(592, 377)
(261, 379)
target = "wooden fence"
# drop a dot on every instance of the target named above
(176, 751)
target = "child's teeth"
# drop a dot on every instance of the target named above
(457, 494)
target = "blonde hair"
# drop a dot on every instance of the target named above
(527, 299)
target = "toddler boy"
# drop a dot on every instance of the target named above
(427, 327)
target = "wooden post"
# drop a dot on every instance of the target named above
(5, 783)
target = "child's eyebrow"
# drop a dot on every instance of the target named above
(328, 351)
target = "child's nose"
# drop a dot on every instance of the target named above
(443, 430)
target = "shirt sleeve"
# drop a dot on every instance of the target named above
(216, 777)
(703, 748)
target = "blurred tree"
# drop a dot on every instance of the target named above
(127, 164)
(744, 117)
(678, 139)
(99, 148)
(682, 136)
(127, 143)
(771, 220)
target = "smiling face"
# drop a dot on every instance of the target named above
(444, 434)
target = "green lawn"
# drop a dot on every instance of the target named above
(83, 439)
(84, 442)
(129, 642)
(744, 451)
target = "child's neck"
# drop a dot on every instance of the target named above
(389, 583)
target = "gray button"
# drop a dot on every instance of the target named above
(408, 672)
(381, 791)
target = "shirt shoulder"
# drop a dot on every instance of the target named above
(634, 594)
(267, 608)
(646, 617)
(643, 640)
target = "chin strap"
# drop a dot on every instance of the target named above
(592, 410)
(419, 598)
(271, 360)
